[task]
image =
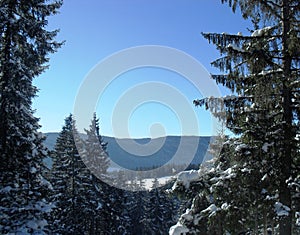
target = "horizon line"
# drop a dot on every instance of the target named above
(148, 137)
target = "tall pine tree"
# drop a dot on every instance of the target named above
(95, 156)
(94, 151)
(24, 46)
(66, 185)
(76, 193)
(254, 183)
(263, 71)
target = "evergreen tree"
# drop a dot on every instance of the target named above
(24, 46)
(253, 186)
(64, 174)
(122, 206)
(136, 201)
(76, 191)
(160, 210)
(94, 152)
(95, 156)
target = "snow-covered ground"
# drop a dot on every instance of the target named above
(162, 181)
(147, 183)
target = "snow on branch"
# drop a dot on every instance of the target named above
(261, 32)
(178, 229)
(186, 177)
(234, 47)
(281, 210)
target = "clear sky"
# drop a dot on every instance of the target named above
(95, 29)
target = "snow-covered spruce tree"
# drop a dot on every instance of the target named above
(121, 201)
(64, 170)
(262, 69)
(95, 149)
(75, 197)
(24, 47)
(192, 187)
(136, 201)
(95, 156)
(110, 217)
(255, 185)
(161, 210)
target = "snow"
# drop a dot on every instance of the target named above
(36, 225)
(230, 97)
(211, 210)
(46, 183)
(178, 229)
(187, 215)
(266, 146)
(43, 206)
(272, 197)
(246, 170)
(6, 189)
(99, 206)
(266, 72)
(241, 147)
(147, 183)
(33, 170)
(97, 188)
(234, 47)
(264, 177)
(261, 32)
(186, 177)
(225, 206)
(297, 216)
(281, 210)
(162, 181)
(48, 162)
(230, 173)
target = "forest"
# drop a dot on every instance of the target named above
(251, 186)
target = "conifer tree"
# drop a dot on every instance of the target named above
(263, 70)
(65, 187)
(254, 184)
(94, 152)
(160, 210)
(24, 46)
(122, 206)
(95, 157)
(76, 194)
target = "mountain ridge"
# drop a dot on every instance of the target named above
(164, 154)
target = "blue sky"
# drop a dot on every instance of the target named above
(95, 29)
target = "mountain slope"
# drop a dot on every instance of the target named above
(166, 147)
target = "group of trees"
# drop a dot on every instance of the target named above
(254, 184)
(69, 199)
(252, 187)
(83, 204)
(75, 189)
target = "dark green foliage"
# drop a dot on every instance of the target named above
(66, 182)
(83, 203)
(94, 151)
(24, 47)
(253, 186)
(160, 210)
(76, 194)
